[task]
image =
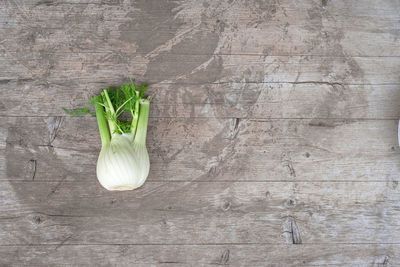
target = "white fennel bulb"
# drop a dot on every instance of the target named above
(123, 164)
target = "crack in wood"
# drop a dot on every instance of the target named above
(10, 217)
(38, 216)
(319, 83)
(31, 170)
(56, 187)
(212, 171)
(53, 126)
(5, 81)
(46, 3)
(383, 261)
(321, 124)
(287, 163)
(61, 215)
(290, 168)
(235, 127)
(63, 242)
(291, 231)
(224, 257)
(34, 165)
(329, 123)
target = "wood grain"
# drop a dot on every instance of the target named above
(356, 28)
(223, 150)
(272, 135)
(307, 100)
(201, 69)
(200, 213)
(202, 255)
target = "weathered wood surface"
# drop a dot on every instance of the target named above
(57, 148)
(147, 28)
(310, 99)
(272, 138)
(203, 255)
(73, 68)
(201, 213)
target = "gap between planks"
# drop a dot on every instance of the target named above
(195, 244)
(222, 117)
(5, 81)
(231, 54)
(16, 181)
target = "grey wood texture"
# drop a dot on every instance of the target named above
(272, 134)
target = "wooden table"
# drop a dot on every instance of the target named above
(272, 137)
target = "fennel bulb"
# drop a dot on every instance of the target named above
(123, 162)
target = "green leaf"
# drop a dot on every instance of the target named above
(142, 89)
(124, 99)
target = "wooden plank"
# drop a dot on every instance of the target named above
(230, 100)
(379, 7)
(202, 255)
(184, 149)
(287, 27)
(72, 69)
(200, 213)
(56, 148)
